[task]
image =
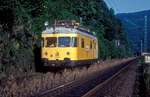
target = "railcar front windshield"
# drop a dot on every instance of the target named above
(51, 42)
(64, 41)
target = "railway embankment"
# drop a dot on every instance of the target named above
(32, 84)
(142, 83)
(146, 74)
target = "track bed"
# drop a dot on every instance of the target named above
(84, 86)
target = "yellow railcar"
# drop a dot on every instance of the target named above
(68, 44)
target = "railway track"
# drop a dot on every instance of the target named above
(102, 87)
(87, 86)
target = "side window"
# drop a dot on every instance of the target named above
(90, 44)
(82, 43)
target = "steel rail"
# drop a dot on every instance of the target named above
(93, 91)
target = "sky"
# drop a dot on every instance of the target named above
(127, 6)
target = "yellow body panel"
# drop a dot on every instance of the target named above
(86, 52)
(59, 53)
(75, 53)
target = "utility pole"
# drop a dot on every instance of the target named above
(141, 46)
(145, 35)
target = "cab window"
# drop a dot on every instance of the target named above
(74, 42)
(51, 42)
(64, 41)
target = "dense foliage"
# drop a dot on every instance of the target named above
(22, 22)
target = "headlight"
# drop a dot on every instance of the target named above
(57, 54)
(46, 53)
(68, 53)
(51, 55)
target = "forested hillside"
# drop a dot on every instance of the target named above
(22, 21)
(134, 24)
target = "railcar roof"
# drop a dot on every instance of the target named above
(61, 29)
(67, 26)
